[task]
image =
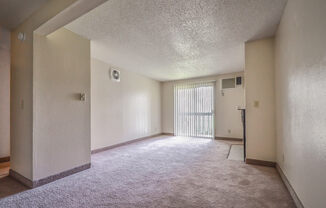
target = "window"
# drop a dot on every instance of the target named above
(194, 109)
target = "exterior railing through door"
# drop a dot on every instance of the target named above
(194, 109)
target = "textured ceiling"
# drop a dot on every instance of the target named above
(14, 12)
(169, 39)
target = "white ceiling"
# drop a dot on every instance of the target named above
(169, 39)
(14, 12)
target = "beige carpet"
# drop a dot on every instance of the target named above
(160, 172)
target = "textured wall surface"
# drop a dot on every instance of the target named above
(61, 130)
(168, 40)
(125, 110)
(227, 117)
(260, 106)
(4, 92)
(301, 99)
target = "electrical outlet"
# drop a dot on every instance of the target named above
(256, 103)
(229, 131)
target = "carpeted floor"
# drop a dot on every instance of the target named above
(160, 172)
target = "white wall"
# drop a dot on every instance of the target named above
(227, 116)
(4, 92)
(260, 102)
(300, 79)
(21, 98)
(61, 121)
(125, 110)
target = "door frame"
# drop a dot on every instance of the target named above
(214, 104)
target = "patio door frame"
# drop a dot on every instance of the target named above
(213, 82)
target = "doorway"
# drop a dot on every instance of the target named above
(194, 109)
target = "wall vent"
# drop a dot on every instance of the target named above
(115, 75)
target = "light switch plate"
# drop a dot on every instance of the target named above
(82, 96)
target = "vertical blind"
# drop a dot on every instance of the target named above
(194, 109)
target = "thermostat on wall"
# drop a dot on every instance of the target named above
(239, 80)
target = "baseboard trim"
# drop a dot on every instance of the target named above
(4, 159)
(168, 134)
(229, 139)
(124, 143)
(20, 178)
(260, 162)
(33, 184)
(287, 184)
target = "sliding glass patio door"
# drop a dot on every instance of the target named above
(194, 109)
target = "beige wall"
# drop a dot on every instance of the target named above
(4, 92)
(61, 121)
(227, 116)
(125, 110)
(259, 86)
(21, 106)
(301, 99)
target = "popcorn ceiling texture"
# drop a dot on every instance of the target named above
(168, 39)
